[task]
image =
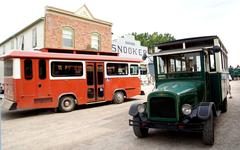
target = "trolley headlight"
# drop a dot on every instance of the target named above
(186, 109)
(141, 108)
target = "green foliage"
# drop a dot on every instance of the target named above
(150, 40)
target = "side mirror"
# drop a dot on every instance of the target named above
(144, 57)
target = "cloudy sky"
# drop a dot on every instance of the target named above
(181, 18)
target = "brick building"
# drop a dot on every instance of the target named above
(61, 29)
(86, 31)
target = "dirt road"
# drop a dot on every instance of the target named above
(105, 126)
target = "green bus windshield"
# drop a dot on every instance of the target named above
(179, 64)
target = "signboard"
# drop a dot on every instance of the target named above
(128, 47)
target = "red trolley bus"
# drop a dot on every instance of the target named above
(60, 80)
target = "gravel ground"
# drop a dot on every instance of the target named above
(105, 126)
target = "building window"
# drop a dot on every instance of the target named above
(12, 44)
(34, 37)
(16, 43)
(22, 43)
(95, 41)
(4, 49)
(67, 36)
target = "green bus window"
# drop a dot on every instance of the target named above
(198, 63)
(172, 65)
(178, 65)
(212, 62)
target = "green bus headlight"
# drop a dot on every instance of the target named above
(186, 109)
(141, 108)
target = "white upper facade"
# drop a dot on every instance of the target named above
(29, 38)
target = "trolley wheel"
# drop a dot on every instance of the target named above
(208, 131)
(118, 97)
(66, 104)
(139, 131)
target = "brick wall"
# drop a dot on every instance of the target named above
(54, 22)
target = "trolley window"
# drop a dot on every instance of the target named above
(117, 69)
(66, 69)
(90, 74)
(134, 69)
(8, 68)
(100, 74)
(42, 69)
(143, 69)
(28, 74)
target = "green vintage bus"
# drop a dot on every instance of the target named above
(191, 88)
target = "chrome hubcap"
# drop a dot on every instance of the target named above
(66, 103)
(119, 96)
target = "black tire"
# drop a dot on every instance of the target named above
(208, 131)
(224, 106)
(118, 97)
(138, 131)
(66, 104)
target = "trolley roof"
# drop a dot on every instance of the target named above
(65, 56)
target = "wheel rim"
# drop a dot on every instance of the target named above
(66, 103)
(119, 96)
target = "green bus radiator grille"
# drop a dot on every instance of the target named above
(163, 107)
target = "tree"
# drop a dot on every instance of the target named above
(150, 40)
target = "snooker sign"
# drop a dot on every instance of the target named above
(128, 47)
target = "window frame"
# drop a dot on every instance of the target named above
(169, 62)
(131, 73)
(44, 75)
(8, 68)
(26, 76)
(143, 70)
(68, 77)
(68, 64)
(17, 43)
(4, 49)
(120, 63)
(12, 44)
(214, 59)
(22, 42)
(98, 35)
(34, 37)
(68, 28)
